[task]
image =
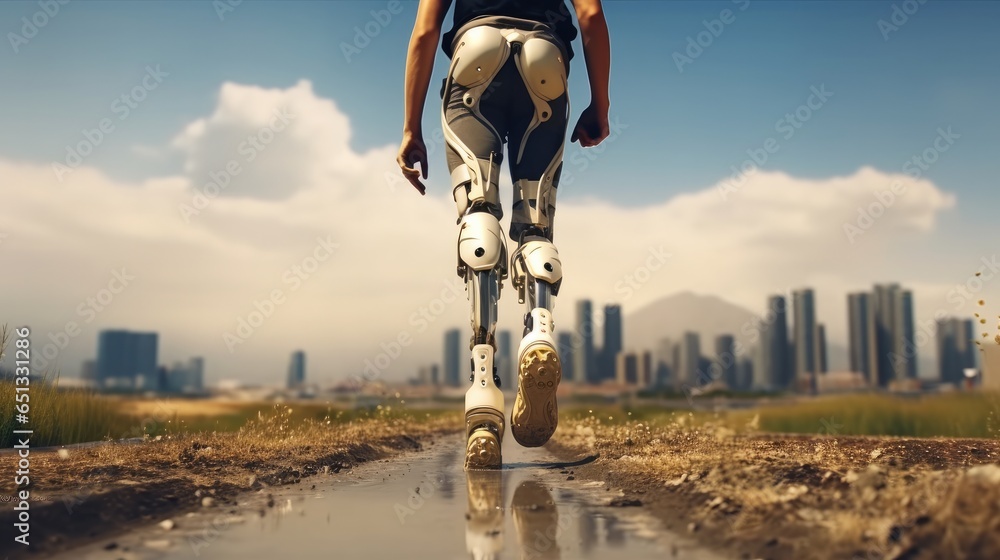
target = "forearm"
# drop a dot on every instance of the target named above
(419, 65)
(597, 51)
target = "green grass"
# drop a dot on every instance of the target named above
(951, 415)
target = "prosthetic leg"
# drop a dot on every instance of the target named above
(481, 53)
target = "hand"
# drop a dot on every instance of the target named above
(411, 151)
(592, 127)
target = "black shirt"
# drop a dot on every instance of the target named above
(553, 13)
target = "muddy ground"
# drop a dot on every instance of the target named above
(800, 497)
(746, 494)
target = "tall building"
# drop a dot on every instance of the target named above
(612, 340)
(893, 354)
(821, 363)
(725, 359)
(127, 360)
(804, 337)
(583, 357)
(504, 360)
(452, 357)
(567, 353)
(664, 368)
(860, 327)
(905, 359)
(774, 363)
(627, 368)
(297, 370)
(435, 374)
(689, 360)
(646, 369)
(956, 349)
(744, 376)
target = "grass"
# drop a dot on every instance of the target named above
(974, 415)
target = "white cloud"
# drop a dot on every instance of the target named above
(196, 275)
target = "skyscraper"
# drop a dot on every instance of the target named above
(725, 359)
(583, 357)
(452, 357)
(860, 325)
(626, 368)
(646, 369)
(956, 349)
(127, 359)
(905, 352)
(688, 362)
(664, 368)
(297, 370)
(774, 365)
(893, 353)
(612, 340)
(504, 360)
(567, 353)
(804, 337)
(821, 348)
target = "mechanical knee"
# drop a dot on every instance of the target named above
(536, 260)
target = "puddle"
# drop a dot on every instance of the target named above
(423, 506)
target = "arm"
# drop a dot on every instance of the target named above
(593, 125)
(419, 65)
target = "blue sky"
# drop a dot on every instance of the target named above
(682, 130)
(685, 129)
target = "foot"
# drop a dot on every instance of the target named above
(485, 429)
(535, 415)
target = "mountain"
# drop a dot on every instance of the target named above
(671, 316)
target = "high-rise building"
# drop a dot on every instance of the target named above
(297, 370)
(583, 358)
(689, 360)
(612, 340)
(821, 365)
(725, 359)
(956, 349)
(860, 326)
(127, 360)
(893, 354)
(504, 360)
(774, 363)
(626, 368)
(804, 337)
(646, 369)
(664, 368)
(905, 352)
(567, 353)
(452, 357)
(744, 376)
(185, 378)
(435, 374)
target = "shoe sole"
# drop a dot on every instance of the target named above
(485, 427)
(536, 415)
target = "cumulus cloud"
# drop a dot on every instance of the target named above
(276, 215)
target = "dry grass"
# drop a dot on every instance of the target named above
(807, 496)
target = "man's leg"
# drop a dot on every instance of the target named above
(537, 136)
(473, 125)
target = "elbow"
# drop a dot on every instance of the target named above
(590, 16)
(425, 35)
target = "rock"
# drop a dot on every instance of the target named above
(167, 524)
(718, 501)
(63, 453)
(989, 474)
(207, 501)
(692, 527)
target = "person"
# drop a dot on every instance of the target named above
(506, 85)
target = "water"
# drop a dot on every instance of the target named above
(420, 506)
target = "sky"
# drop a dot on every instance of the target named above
(762, 146)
